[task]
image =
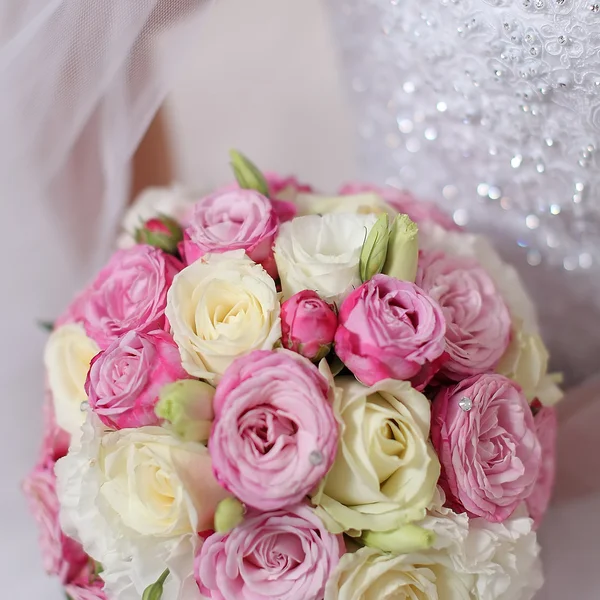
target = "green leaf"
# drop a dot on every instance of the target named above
(374, 250)
(247, 174)
(46, 325)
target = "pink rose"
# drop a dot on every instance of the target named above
(418, 210)
(545, 426)
(274, 435)
(477, 319)
(124, 380)
(284, 555)
(233, 220)
(83, 590)
(484, 434)
(390, 329)
(308, 325)
(129, 294)
(279, 185)
(61, 555)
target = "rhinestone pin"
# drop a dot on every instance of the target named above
(84, 406)
(465, 403)
(315, 458)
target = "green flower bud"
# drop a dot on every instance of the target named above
(161, 232)
(229, 514)
(247, 173)
(403, 250)
(155, 590)
(404, 540)
(374, 250)
(187, 405)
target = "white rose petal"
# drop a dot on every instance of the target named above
(67, 358)
(365, 203)
(220, 308)
(322, 253)
(122, 498)
(175, 202)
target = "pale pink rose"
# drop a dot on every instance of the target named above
(490, 454)
(478, 322)
(233, 220)
(274, 435)
(83, 590)
(419, 211)
(282, 555)
(124, 380)
(61, 555)
(129, 294)
(390, 329)
(308, 325)
(538, 501)
(55, 443)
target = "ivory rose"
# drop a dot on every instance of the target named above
(385, 472)
(221, 308)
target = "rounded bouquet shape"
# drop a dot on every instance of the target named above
(272, 394)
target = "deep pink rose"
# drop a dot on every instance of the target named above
(308, 324)
(284, 555)
(233, 220)
(124, 380)
(129, 294)
(82, 590)
(279, 185)
(390, 329)
(274, 435)
(538, 501)
(419, 211)
(477, 319)
(490, 453)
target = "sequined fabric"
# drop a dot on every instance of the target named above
(492, 109)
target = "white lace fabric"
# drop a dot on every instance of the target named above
(492, 109)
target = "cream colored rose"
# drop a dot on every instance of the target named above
(322, 253)
(526, 362)
(67, 358)
(386, 470)
(157, 485)
(370, 574)
(366, 203)
(220, 308)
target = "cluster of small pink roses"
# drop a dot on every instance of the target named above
(263, 346)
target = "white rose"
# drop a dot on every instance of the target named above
(175, 202)
(135, 499)
(368, 202)
(370, 574)
(526, 362)
(67, 358)
(505, 276)
(322, 253)
(385, 471)
(220, 308)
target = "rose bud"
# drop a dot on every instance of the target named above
(161, 232)
(308, 325)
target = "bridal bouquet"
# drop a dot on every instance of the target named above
(273, 394)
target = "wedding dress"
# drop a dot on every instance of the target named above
(490, 107)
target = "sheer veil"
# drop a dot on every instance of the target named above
(79, 88)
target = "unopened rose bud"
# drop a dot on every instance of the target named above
(308, 325)
(404, 540)
(374, 250)
(161, 232)
(229, 514)
(155, 590)
(187, 405)
(248, 174)
(403, 250)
